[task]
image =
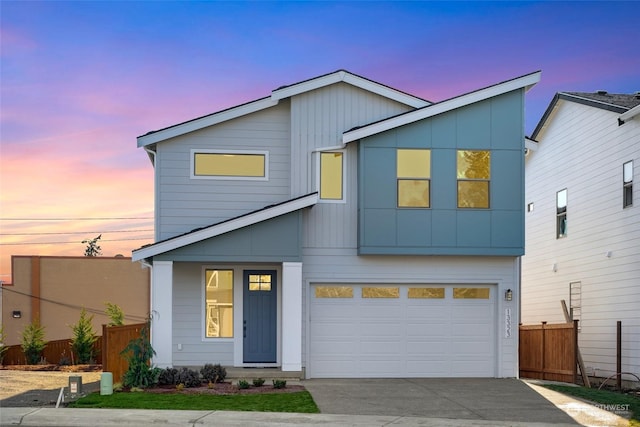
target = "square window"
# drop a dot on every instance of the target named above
(473, 194)
(413, 193)
(473, 171)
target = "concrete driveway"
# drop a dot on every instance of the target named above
(456, 398)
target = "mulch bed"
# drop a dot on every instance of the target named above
(52, 367)
(224, 388)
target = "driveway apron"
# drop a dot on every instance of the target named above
(462, 398)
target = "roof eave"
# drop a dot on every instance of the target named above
(524, 82)
(628, 115)
(224, 227)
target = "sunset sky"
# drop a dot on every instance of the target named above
(81, 80)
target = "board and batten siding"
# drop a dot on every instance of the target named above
(184, 204)
(583, 150)
(318, 120)
(331, 266)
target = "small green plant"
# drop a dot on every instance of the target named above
(258, 382)
(117, 387)
(84, 338)
(3, 348)
(243, 384)
(189, 378)
(279, 383)
(139, 353)
(115, 313)
(214, 373)
(180, 387)
(33, 343)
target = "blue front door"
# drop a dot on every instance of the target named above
(259, 321)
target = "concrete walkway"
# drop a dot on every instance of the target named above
(384, 402)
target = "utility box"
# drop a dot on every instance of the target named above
(106, 383)
(75, 385)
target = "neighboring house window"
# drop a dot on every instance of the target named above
(222, 164)
(474, 176)
(413, 171)
(331, 175)
(561, 213)
(627, 184)
(219, 303)
(575, 301)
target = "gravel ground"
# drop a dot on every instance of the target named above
(40, 388)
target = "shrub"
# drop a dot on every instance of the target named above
(214, 373)
(138, 353)
(84, 338)
(189, 378)
(279, 383)
(64, 359)
(33, 342)
(243, 384)
(168, 376)
(258, 382)
(115, 313)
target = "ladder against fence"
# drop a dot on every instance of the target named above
(549, 351)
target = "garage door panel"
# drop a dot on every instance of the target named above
(402, 337)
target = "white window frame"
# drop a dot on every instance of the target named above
(627, 186)
(195, 151)
(344, 175)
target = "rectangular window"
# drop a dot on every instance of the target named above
(331, 175)
(334, 292)
(380, 292)
(474, 176)
(426, 293)
(219, 303)
(471, 293)
(413, 171)
(561, 213)
(223, 164)
(627, 184)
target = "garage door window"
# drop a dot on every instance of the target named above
(380, 292)
(334, 292)
(471, 293)
(426, 293)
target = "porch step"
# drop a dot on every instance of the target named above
(234, 373)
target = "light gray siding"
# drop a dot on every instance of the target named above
(318, 119)
(583, 150)
(184, 204)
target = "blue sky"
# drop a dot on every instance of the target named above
(81, 80)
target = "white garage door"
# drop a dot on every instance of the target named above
(400, 331)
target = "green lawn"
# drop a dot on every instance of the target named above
(604, 397)
(267, 402)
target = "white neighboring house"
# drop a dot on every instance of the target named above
(583, 224)
(342, 228)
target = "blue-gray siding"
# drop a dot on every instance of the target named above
(443, 229)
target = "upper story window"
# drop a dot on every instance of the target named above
(561, 213)
(627, 184)
(413, 171)
(332, 175)
(223, 164)
(474, 176)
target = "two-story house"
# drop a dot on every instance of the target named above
(342, 228)
(583, 224)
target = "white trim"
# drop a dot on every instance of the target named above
(352, 79)
(442, 107)
(162, 313)
(206, 121)
(195, 151)
(627, 115)
(291, 316)
(344, 176)
(225, 227)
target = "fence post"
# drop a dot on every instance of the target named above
(542, 348)
(619, 355)
(575, 351)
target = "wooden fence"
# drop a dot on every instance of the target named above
(114, 340)
(549, 352)
(54, 353)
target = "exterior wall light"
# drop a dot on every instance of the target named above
(508, 295)
(16, 314)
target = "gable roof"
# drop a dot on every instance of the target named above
(527, 81)
(276, 95)
(615, 102)
(200, 234)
